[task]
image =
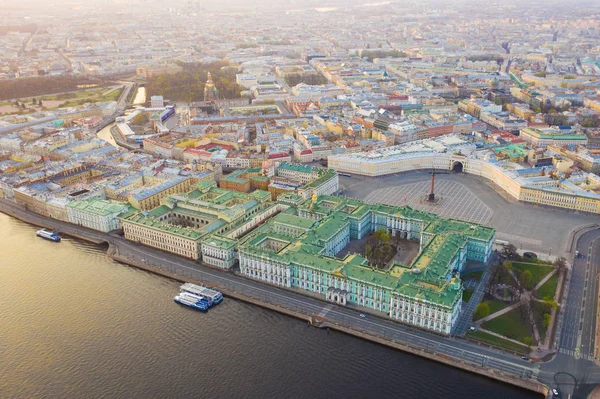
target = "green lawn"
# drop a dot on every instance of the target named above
(548, 288)
(75, 98)
(92, 97)
(538, 272)
(495, 306)
(510, 325)
(476, 275)
(538, 314)
(490, 339)
(543, 262)
(467, 294)
(111, 96)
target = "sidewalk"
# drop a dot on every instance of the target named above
(498, 313)
(514, 341)
(542, 281)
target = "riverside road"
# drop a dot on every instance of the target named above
(461, 350)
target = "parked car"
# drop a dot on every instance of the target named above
(530, 255)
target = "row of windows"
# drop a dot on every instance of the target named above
(136, 233)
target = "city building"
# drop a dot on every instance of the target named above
(182, 221)
(541, 185)
(297, 250)
(146, 198)
(157, 102)
(98, 214)
(549, 136)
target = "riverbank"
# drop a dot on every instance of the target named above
(459, 354)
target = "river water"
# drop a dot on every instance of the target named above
(75, 324)
(140, 96)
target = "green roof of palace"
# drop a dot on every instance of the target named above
(260, 194)
(296, 167)
(100, 207)
(326, 229)
(219, 242)
(552, 135)
(429, 277)
(293, 220)
(473, 230)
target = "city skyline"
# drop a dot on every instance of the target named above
(423, 175)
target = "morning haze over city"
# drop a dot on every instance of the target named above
(299, 199)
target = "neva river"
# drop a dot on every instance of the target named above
(75, 324)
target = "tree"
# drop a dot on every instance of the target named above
(37, 86)
(546, 321)
(560, 265)
(483, 310)
(385, 238)
(368, 251)
(510, 251)
(549, 304)
(188, 84)
(34, 101)
(526, 278)
(495, 273)
(375, 237)
(528, 341)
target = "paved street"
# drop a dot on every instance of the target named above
(573, 371)
(579, 319)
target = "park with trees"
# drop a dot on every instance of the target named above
(188, 85)
(520, 301)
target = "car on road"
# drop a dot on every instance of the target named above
(530, 255)
(362, 315)
(555, 393)
(472, 328)
(525, 357)
(578, 254)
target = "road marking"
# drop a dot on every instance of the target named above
(325, 310)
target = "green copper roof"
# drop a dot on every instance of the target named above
(429, 277)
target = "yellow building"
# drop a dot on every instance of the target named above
(149, 198)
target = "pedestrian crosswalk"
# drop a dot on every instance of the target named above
(571, 352)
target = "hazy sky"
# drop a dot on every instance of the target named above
(21, 7)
